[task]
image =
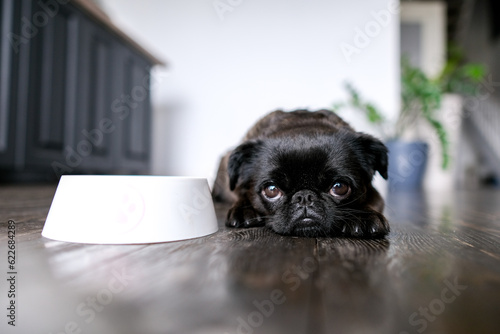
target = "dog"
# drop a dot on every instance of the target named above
(305, 173)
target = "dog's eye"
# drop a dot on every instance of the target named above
(272, 192)
(340, 189)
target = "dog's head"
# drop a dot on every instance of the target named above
(308, 185)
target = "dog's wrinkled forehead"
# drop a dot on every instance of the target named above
(307, 163)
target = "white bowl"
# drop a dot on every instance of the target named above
(100, 209)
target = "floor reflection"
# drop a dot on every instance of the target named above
(407, 207)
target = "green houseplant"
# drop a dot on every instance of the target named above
(421, 99)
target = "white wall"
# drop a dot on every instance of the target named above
(227, 69)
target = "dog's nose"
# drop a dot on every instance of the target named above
(304, 198)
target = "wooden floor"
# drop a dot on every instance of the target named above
(437, 272)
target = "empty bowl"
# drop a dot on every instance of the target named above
(101, 209)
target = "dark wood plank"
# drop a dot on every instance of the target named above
(27, 205)
(437, 272)
(356, 294)
(235, 270)
(450, 242)
(255, 277)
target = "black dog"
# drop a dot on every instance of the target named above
(306, 174)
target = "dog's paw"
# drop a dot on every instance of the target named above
(369, 225)
(243, 216)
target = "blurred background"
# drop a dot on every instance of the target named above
(167, 87)
(230, 63)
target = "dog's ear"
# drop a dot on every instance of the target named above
(241, 160)
(373, 154)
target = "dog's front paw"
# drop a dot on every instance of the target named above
(369, 225)
(243, 215)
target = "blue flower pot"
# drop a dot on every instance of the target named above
(407, 163)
